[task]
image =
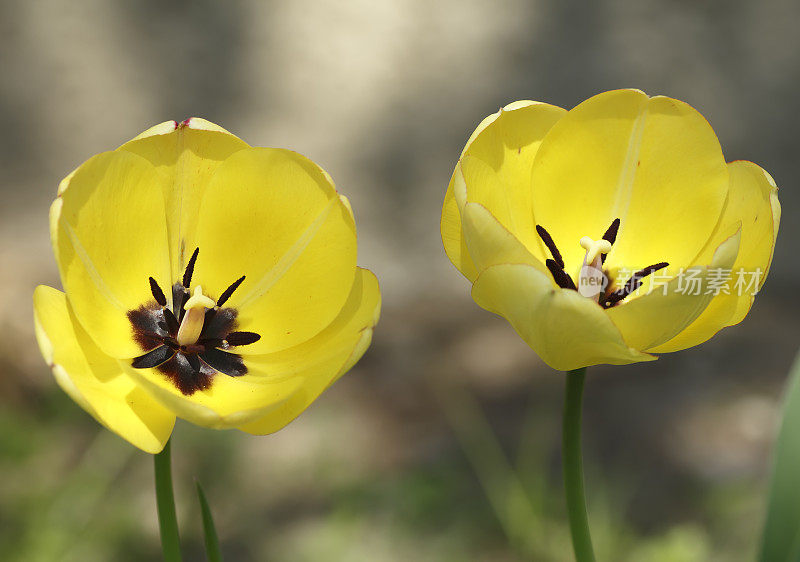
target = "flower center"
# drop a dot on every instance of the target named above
(189, 342)
(593, 281)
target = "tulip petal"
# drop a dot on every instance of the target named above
(229, 402)
(653, 318)
(325, 358)
(273, 216)
(655, 163)
(109, 237)
(454, 244)
(93, 379)
(505, 142)
(753, 200)
(188, 154)
(565, 329)
(270, 387)
(489, 243)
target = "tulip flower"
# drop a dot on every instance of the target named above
(546, 204)
(203, 279)
(609, 233)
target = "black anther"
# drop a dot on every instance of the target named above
(187, 275)
(229, 291)
(548, 241)
(158, 294)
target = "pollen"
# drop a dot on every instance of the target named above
(192, 323)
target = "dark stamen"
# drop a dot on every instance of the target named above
(170, 321)
(194, 363)
(214, 342)
(158, 294)
(636, 279)
(242, 338)
(179, 296)
(614, 298)
(229, 291)
(650, 269)
(611, 236)
(187, 275)
(634, 283)
(560, 276)
(227, 363)
(153, 358)
(548, 241)
(611, 233)
(218, 323)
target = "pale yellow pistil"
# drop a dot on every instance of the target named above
(192, 323)
(591, 280)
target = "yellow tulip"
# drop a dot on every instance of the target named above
(204, 279)
(617, 192)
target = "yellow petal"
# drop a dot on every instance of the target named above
(164, 128)
(661, 313)
(187, 154)
(322, 360)
(565, 329)
(655, 163)
(273, 216)
(231, 401)
(485, 187)
(272, 380)
(753, 202)
(489, 243)
(93, 379)
(506, 142)
(109, 236)
(454, 244)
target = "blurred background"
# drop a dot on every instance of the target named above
(443, 443)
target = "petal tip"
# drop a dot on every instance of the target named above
(200, 124)
(161, 129)
(519, 104)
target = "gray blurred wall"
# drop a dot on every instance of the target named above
(382, 94)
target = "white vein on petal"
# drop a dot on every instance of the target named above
(287, 260)
(627, 176)
(94, 275)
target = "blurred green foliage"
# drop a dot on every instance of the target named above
(72, 491)
(781, 539)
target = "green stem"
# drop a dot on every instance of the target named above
(573, 467)
(165, 501)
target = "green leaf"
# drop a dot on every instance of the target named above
(781, 538)
(212, 542)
